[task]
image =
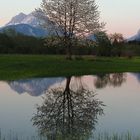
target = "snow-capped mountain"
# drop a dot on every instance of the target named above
(137, 75)
(17, 19)
(31, 25)
(26, 30)
(30, 19)
(135, 37)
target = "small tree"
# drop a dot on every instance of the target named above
(71, 19)
(103, 44)
(116, 38)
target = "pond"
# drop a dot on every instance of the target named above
(77, 106)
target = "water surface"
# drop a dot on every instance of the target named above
(114, 108)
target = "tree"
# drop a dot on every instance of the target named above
(6, 43)
(71, 19)
(116, 38)
(117, 41)
(68, 113)
(103, 44)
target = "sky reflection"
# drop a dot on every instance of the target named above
(121, 113)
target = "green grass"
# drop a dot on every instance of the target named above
(27, 66)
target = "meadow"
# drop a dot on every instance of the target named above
(13, 67)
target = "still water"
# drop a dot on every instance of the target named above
(87, 104)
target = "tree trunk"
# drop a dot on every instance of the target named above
(68, 50)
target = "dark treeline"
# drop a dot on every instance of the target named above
(126, 49)
(21, 44)
(104, 46)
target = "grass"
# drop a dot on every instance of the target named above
(99, 136)
(14, 67)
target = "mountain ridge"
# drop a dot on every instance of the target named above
(28, 24)
(26, 29)
(32, 25)
(30, 19)
(34, 87)
(135, 37)
(33, 20)
(16, 19)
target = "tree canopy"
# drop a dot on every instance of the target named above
(71, 19)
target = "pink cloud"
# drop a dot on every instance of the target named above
(3, 21)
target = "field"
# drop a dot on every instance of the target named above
(28, 66)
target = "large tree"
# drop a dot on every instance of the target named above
(68, 113)
(72, 19)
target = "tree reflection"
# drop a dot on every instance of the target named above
(115, 80)
(68, 113)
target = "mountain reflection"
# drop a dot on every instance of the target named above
(115, 80)
(137, 75)
(68, 112)
(34, 87)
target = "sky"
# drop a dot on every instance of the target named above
(120, 16)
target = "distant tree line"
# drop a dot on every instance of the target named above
(105, 45)
(115, 45)
(20, 44)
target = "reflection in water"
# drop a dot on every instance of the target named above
(68, 113)
(16, 111)
(116, 80)
(34, 87)
(37, 87)
(137, 76)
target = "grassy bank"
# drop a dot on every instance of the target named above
(27, 66)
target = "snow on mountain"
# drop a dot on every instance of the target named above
(17, 19)
(135, 37)
(30, 19)
(31, 25)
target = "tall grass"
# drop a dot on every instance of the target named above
(98, 136)
(115, 136)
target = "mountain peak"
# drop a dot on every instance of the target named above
(21, 14)
(136, 37)
(17, 19)
(138, 33)
(30, 19)
(31, 24)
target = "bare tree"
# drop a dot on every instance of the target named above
(72, 19)
(116, 38)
